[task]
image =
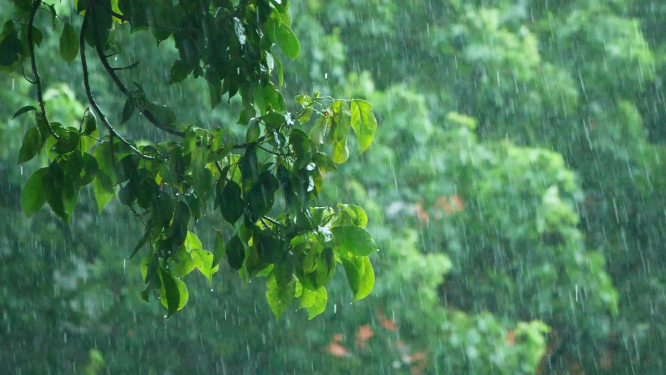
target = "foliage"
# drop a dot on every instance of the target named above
(171, 184)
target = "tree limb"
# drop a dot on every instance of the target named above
(33, 63)
(86, 84)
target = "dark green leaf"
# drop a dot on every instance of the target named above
(253, 132)
(235, 252)
(31, 145)
(89, 123)
(128, 110)
(52, 183)
(69, 43)
(10, 49)
(68, 142)
(170, 293)
(231, 202)
(179, 71)
(23, 110)
(32, 195)
(144, 239)
(219, 249)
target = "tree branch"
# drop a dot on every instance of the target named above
(112, 73)
(33, 63)
(86, 84)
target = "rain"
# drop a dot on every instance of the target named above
(333, 187)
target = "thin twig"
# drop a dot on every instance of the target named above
(86, 84)
(131, 66)
(33, 62)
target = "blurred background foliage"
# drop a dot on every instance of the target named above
(515, 187)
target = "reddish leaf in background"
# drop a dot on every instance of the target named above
(364, 333)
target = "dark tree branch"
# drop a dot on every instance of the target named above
(112, 73)
(33, 62)
(86, 84)
(131, 66)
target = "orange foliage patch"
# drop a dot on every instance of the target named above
(364, 333)
(387, 324)
(511, 338)
(336, 349)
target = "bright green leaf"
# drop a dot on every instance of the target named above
(364, 122)
(355, 240)
(287, 41)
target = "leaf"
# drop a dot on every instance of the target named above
(31, 145)
(367, 279)
(363, 122)
(279, 297)
(69, 43)
(32, 195)
(173, 293)
(102, 193)
(253, 132)
(163, 114)
(68, 142)
(89, 124)
(320, 129)
(287, 41)
(219, 249)
(314, 301)
(354, 240)
(235, 252)
(353, 276)
(52, 183)
(142, 241)
(204, 262)
(340, 152)
(23, 110)
(11, 48)
(179, 71)
(231, 202)
(128, 110)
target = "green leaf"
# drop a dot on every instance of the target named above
(142, 241)
(163, 114)
(219, 249)
(68, 142)
(287, 41)
(340, 152)
(179, 71)
(32, 195)
(253, 132)
(10, 47)
(367, 279)
(31, 145)
(354, 240)
(89, 123)
(364, 122)
(23, 110)
(173, 293)
(279, 297)
(231, 202)
(204, 262)
(52, 183)
(235, 252)
(128, 110)
(103, 194)
(314, 301)
(69, 43)
(320, 129)
(353, 276)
